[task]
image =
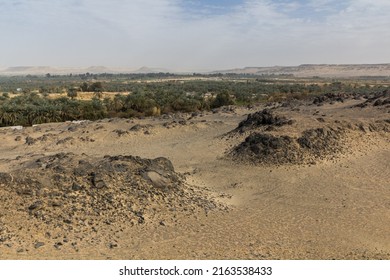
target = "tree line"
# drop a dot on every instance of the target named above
(33, 105)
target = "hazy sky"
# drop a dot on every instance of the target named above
(193, 35)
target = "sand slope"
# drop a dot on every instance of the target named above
(336, 206)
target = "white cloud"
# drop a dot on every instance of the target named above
(162, 33)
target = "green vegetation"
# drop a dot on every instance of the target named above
(32, 100)
(29, 109)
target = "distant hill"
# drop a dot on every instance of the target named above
(42, 70)
(29, 69)
(304, 70)
(98, 69)
(146, 70)
(320, 70)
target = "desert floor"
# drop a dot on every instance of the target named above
(336, 207)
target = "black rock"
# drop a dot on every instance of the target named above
(262, 118)
(35, 205)
(30, 140)
(5, 178)
(76, 187)
(97, 181)
(38, 245)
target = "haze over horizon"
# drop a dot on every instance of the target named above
(193, 35)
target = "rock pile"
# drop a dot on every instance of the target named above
(266, 148)
(334, 97)
(71, 192)
(265, 118)
(377, 99)
(312, 145)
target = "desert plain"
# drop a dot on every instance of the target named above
(284, 180)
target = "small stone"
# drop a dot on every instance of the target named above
(30, 140)
(35, 205)
(56, 204)
(38, 245)
(76, 187)
(26, 192)
(98, 181)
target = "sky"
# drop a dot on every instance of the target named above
(193, 35)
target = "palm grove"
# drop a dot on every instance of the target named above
(33, 100)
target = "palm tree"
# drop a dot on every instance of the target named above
(72, 93)
(9, 118)
(98, 94)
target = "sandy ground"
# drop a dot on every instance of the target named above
(336, 208)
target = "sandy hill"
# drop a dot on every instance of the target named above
(320, 70)
(43, 70)
(304, 70)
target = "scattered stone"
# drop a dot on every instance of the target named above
(332, 97)
(5, 178)
(79, 193)
(120, 132)
(136, 127)
(35, 205)
(58, 245)
(158, 180)
(30, 141)
(28, 192)
(377, 99)
(65, 140)
(97, 181)
(38, 245)
(56, 204)
(76, 187)
(73, 128)
(261, 118)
